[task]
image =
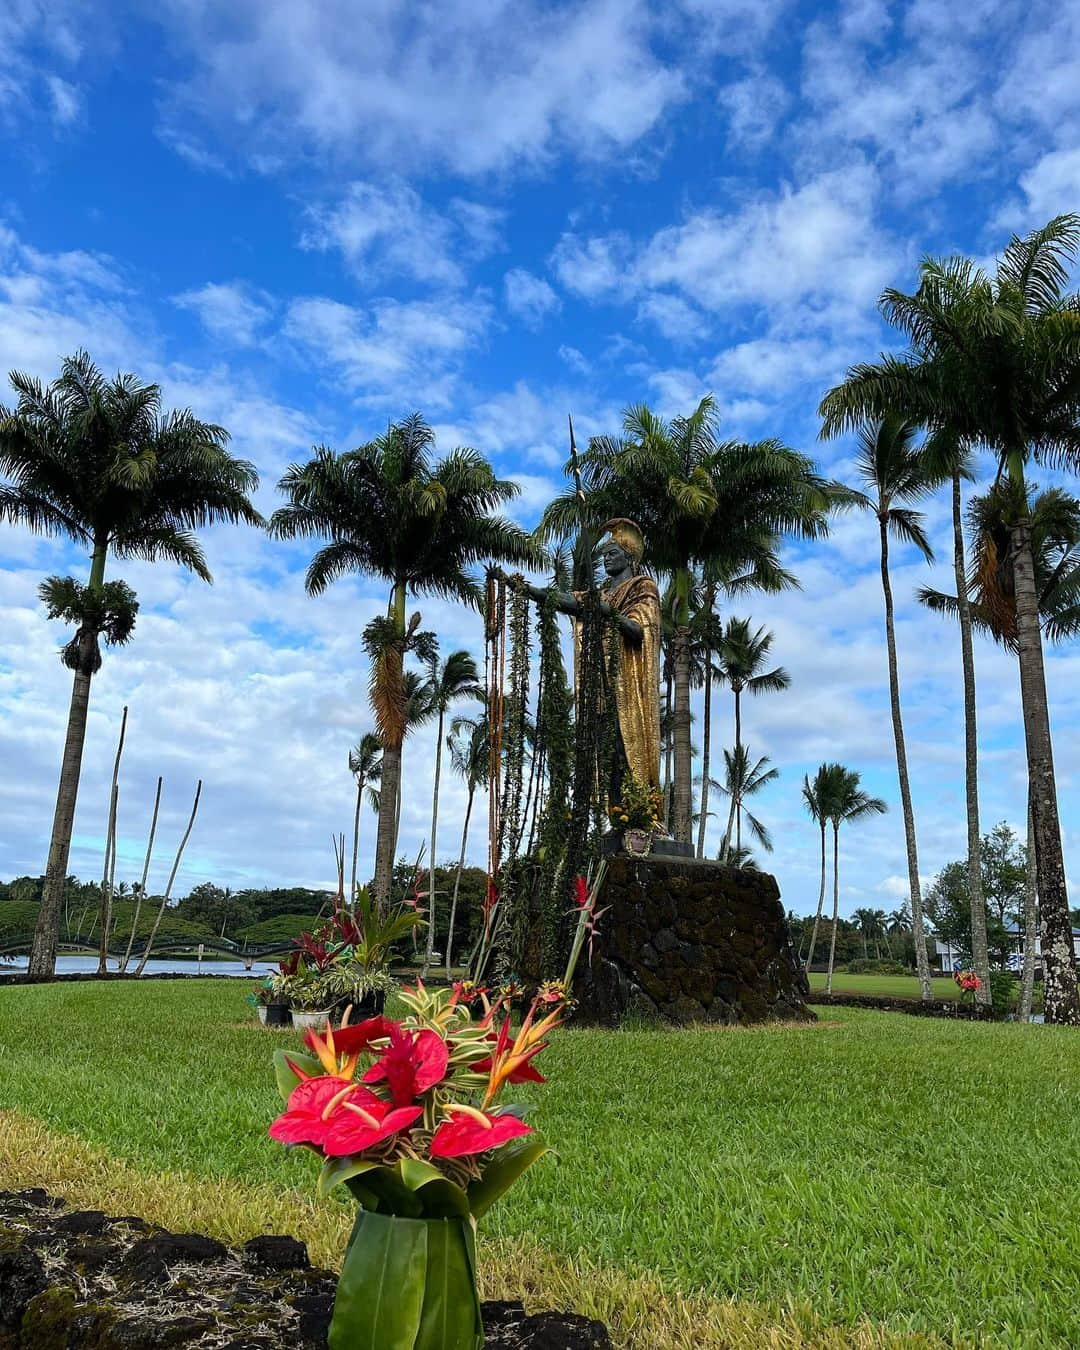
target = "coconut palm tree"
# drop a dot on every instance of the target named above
(469, 743)
(818, 798)
(720, 506)
(741, 780)
(994, 361)
(364, 765)
(740, 657)
(389, 511)
(894, 475)
(849, 804)
(455, 679)
(99, 462)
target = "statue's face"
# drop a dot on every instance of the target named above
(615, 559)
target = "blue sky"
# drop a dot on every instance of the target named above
(304, 219)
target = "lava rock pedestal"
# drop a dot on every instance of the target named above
(690, 941)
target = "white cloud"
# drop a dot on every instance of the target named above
(1050, 186)
(591, 267)
(387, 229)
(529, 297)
(576, 360)
(754, 108)
(400, 354)
(67, 100)
(232, 311)
(467, 87)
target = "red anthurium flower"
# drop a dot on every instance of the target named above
(471, 1131)
(357, 1126)
(310, 1104)
(411, 1064)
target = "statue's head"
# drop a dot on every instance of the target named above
(622, 548)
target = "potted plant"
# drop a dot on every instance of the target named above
(408, 1116)
(309, 998)
(638, 815)
(350, 985)
(274, 995)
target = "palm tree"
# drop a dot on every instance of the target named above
(741, 780)
(895, 475)
(850, 803)
(994, 361)
(818, 798)
(418, 710)
(991, 600)
(97, 461)
(389, 511)
(722, 506)
(457, 678)
(469, 744)
(364, 764)
(741, 655)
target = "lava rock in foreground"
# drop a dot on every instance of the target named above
(78, 1280)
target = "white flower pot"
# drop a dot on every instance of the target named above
(310, 1021)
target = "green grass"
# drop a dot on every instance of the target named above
(919, 1173)
(883, 986)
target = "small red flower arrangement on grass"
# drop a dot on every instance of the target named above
(408, 1115)
(969, 983)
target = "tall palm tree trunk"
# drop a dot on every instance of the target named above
(835, 903)
(457, 878)
(390, 782)
(706, 740)
(669, 743)
(820, 902)
(682, 799)
(738, 747)
(47, 929)
(356, 838)
(430, 947)
(1031, 887)
(918, 934)
(979, 954)
(1062, 1002)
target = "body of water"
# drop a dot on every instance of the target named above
(79, 965)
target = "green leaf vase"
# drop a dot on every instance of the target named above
(408, 1284)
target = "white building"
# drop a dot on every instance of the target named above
(947, 959)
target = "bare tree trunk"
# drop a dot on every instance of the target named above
(457, 879)
(979, 954)
(835, 904)
(168, 888)
(918, 934)
(356, 838)
(820, 902)
(110, 852)
(1031, 888)
(1061, 998)
(47, 930)
(430, 945)
(145, 874)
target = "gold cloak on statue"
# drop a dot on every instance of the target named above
(637, 687)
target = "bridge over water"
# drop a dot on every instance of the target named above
(247, 952)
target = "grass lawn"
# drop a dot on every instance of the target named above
(850, 1183)
(883, 986)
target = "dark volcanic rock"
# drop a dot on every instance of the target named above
(107, 1287)
(276, 1253)
(691, 941)
(22, 1278)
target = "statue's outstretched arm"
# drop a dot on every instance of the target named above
(566, 603)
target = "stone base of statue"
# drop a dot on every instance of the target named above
(690, 941)
(644, 844)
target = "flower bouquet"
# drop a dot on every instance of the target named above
(969, 983)
(407, 1116)
(638, 815)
